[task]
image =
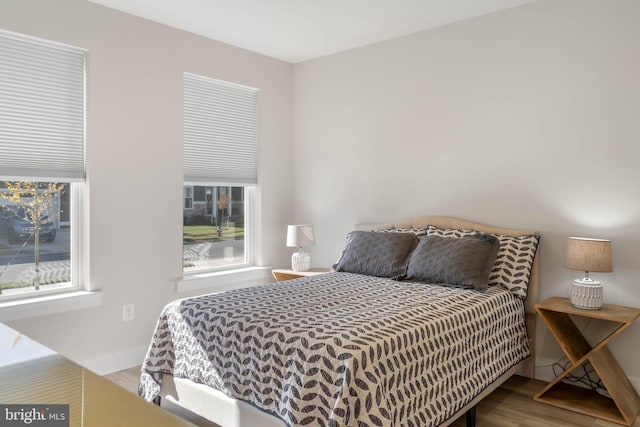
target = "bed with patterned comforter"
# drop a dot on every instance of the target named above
(342, 349)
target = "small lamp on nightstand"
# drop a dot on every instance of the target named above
(299, 236)
(588, 255)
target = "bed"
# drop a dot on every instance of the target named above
(351, 347)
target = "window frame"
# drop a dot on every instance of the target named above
(220, 125)
(187, 196)
(76, 261)
(57, 169)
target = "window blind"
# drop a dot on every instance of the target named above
(41, 109)
(220, 132)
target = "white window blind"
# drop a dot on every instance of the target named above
(41, 109)
(220, 131)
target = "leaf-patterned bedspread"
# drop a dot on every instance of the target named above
(341, 349)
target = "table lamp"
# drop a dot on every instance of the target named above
(299, 236)
(588, 255)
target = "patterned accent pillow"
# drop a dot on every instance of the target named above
(432, 230)
(514, 262)
(419, 232)
(512, 269)
(465, 262)
(377, 254)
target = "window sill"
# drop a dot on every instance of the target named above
(225, 280)
(50, 304)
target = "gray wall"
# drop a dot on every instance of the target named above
(527, 118)
(134, 167)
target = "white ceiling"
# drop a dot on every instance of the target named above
(298, 30)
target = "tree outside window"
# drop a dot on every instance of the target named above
(29, 212)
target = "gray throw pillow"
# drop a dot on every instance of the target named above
(514, 262)
(377, 254)
(463, 262)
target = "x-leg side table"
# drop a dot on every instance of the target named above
(624, 404)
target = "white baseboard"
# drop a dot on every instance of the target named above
(109, 363)
(544, 372)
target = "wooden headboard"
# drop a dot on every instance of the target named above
(449, 222)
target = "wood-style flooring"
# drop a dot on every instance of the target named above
(511, 405)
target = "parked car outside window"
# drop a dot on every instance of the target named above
(18, 228)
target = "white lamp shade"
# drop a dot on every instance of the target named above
(300, 235)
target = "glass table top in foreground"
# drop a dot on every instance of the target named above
(41, 388)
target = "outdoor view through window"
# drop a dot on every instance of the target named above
(214, 227)
(35, 244)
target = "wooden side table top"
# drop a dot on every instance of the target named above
(281, 274)
(611, 312)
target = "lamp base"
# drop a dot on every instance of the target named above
(586, 294)
(300, 261)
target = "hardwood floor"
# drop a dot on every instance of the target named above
(511, 405)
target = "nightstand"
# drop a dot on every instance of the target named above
(624, 404)
(286, 274)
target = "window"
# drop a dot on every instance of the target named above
(214, 230)
(188, 198)
(35, 253)
(220, 137)
(42, 117)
